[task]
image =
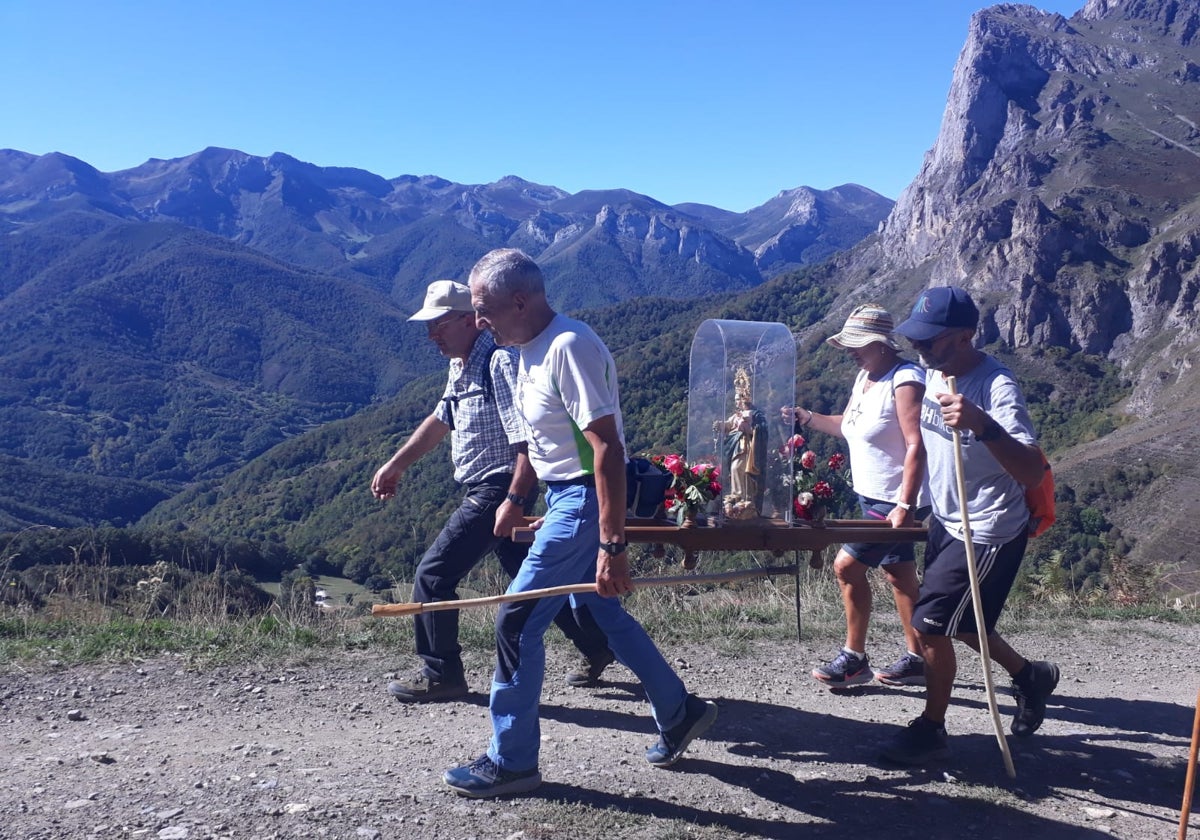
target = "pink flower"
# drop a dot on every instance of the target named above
(674, 464)
(808, 460)
(715, 487)
(836, 461)
(795, 442)
(822, 490)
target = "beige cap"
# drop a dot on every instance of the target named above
(444, 296)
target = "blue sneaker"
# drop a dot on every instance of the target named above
(484, 779)
(671, 744)
(846, 670)
(907, 670)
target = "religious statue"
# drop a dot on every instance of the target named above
(745, 451)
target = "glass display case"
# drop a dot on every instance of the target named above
(742, 374)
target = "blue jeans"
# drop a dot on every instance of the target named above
(563, 553)
(464, 540)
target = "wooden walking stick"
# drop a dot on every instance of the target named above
(976, 602)
(574, 588)
(1189, 785)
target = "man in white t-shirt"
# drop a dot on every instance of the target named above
(567, 395)
(1000, 458)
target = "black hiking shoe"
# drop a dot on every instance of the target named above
(921, 741)
(1031, 687)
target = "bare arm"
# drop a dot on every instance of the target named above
(427, 436)
(524, 482)
(908, 413)
(829, 424)
(612, 573)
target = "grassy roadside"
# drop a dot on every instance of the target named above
(71, 628)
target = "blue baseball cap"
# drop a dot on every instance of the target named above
(937, 310)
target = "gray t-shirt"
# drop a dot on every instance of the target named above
(996, 500)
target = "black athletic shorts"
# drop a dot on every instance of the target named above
(944, 608)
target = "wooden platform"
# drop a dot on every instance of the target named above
(763, 535)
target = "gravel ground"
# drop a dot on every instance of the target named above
(318, 749)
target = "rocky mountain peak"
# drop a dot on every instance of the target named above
(1178, 20)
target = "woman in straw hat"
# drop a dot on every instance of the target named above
(881, 425)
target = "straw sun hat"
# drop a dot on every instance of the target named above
(866, 325)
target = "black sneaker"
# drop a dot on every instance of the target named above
(484, 779)
(907, 670)
(1031, 687)
(587, 672)
(845, 670)
(921, 741)
(422, 688)
(672, 743)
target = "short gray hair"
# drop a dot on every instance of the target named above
(508, 270)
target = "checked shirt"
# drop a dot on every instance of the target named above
(485, 425)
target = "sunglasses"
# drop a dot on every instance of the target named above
(926, 344)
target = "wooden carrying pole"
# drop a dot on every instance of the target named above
(1189, 785)
(973, 573)
(575, 588)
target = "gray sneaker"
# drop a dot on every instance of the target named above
(484, 779)
(422, 688)
(907, 670)
(587, 672)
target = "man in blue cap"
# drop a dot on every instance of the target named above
(1000, 459)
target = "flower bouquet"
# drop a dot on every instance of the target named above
(692, 486)
(819, 487)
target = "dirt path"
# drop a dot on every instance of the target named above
(319, 750)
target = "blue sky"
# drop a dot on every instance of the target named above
(724, 103)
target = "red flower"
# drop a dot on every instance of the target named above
(822, 490)
(795, 442)
(808, 460)
(715, 487)
(801, 510)
(836, 461)
(674, 464)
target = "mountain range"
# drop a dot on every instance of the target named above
(166, 324)
(212, 293)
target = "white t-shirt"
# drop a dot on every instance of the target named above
(566, 380)
(874, 437)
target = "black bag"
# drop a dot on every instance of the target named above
(645, 487)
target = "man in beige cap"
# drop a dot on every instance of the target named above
(487, 446)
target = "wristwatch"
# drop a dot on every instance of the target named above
(519, 501)
(991, 431)
(613, 548)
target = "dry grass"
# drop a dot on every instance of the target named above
(113, 613)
